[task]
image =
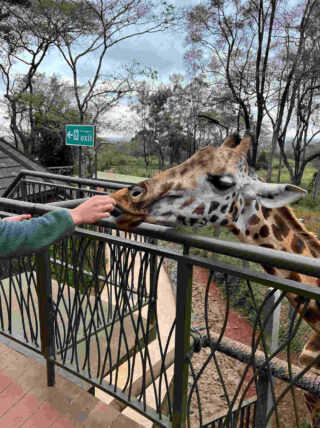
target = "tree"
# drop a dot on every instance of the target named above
(296, 97)
(25, 41)
(82, 31)
(231, 42)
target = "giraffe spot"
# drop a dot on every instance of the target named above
(187, 202)
(193, 221)
(255, 236)
(297, 245)
(314, 343)
(231, 207)
(213, 206)
(224, 222)
(265, 212)
(235, 214)
(182, 219)
(235, 231)
(184, 171)
(276, 232)
(243, 211)
(264, 231)
(214, 218)
(257, 206)
(269, 269)
(283, 227)
(311, 315)
(313, 252)
(224, 209)
(199, 210)
(247, 232)
(254, 219)
(267, 246)
(294, 276)
(165, 187)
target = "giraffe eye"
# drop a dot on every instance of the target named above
(221, 182)
(136, 191)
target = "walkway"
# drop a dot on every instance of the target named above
(26, 401)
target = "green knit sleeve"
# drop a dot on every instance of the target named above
(27, 236)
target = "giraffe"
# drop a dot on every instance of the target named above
(215, 186)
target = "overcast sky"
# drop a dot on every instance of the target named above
(162, 52)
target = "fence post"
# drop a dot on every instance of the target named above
(265, 384)
(153, 288)
(44, 288)
(182, 342)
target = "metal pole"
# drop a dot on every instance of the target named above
(44, 286)
(182, 343)
(80, 161)
(265, 384)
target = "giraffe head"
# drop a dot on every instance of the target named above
(213, 186)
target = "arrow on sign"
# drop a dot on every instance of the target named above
(70, 134)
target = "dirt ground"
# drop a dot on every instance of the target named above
(213, 396)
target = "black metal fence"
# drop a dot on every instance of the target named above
(34, 186)
(90, 304)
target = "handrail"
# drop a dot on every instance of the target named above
(78, 180)
(66, 179)
(266, 256)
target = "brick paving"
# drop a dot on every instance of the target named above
(26, 401)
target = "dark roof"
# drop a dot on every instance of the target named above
(12, 161)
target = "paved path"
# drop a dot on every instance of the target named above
(26, 401)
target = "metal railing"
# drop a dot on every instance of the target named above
(100, 321)
(34, 186)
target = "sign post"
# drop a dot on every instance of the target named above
(80, 136)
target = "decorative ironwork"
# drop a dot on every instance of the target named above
(104, 318)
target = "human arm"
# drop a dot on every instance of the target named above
(24, 237)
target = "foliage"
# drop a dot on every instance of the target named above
(111, 156)
(81, 31)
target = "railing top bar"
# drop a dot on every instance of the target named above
(65, 178)
(71, 203)
(111, 185)
(261, 255)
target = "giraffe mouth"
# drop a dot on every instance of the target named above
(126, 220)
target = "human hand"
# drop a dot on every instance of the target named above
(17, 218)
(93, 210)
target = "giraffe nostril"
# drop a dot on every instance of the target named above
(136, 191)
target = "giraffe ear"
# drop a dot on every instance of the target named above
(277, 195)
(244, 145)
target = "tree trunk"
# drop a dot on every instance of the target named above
(279, 168)
(272, 155)
(316, 182)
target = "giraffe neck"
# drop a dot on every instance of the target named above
(276, 228)
(279, 229)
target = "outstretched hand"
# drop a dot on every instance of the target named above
(17, 218)
(93, 210)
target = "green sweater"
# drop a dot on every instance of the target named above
(27, 236)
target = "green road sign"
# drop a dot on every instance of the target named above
(80, 135)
